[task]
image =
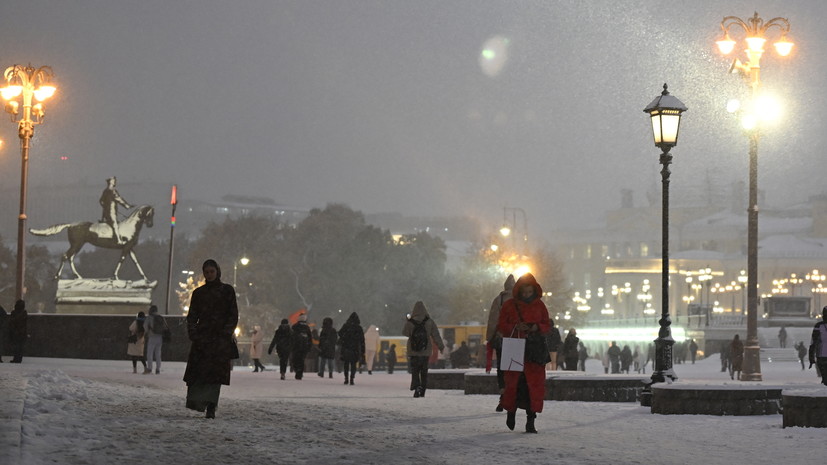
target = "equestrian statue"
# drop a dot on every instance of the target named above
(105, 234)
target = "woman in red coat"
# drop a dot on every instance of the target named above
(524, 314)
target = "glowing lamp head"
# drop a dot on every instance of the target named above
(665, 112)
(783, 46)
(726, 45)
(9, 92)
(244, 261)
(755, 44)
(505, 231)
(44, 92)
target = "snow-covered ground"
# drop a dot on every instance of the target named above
(98, 412)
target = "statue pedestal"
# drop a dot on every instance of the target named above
(103, 296)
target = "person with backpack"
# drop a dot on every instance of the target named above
(281, 341)
(421, 331)
(155, 326)
(302, 341)
(352, 343)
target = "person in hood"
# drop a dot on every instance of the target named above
(818, 346)
(302, 343)
(135, 346)
(352, 346)
(211, 323)
(257, 348)
(327, 346)
(281, 341)
(494, 340)
(525, 313)
(418, 359)
(18, 330)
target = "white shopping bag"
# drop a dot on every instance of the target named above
(513, 354)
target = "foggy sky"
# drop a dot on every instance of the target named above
(387, 106)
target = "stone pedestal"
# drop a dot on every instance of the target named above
(716, 400)
(103, 296)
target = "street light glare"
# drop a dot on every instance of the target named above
(783, 46)
(755, 44)
(733, 105)
(726, 45)
(244, 261)
(768, 108)
(749, 122)
(44, 92)
(10, 91)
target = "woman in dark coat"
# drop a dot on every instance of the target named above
(736, 356)
(301, 345)
(352, 342)
(525, 313)
(571, 350)
(18, 330)
(211, 321)
(282, 341)
(327, 346)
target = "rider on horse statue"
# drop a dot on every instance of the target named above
(110, 199)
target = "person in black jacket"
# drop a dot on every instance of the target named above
(282, 341)
(553, 341)
(625, 359)
(391, 358)
(302, 342)
(614, 357)
(327, 346)
(571, 350)
(352, 342)
(18, 330)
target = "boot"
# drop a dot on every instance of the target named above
(511, 420)
(416, 392)
(256, 370)
(147, 371)
(210, 410)
(529, 422)
(351, 381)
(331, 375)
(282, 376)
(134, 369)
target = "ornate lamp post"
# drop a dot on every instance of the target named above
(24, 85)
(665, 112)
(755, 29)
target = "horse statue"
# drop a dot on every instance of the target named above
(101, 235)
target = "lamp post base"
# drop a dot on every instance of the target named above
(752, 363)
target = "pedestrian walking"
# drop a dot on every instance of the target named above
(818, 347)
(725, 365)
(302, 342)
(736, 355)
(554, 341)
(422, 333)
(582, 356)
(390, 358)
(155, 326)
(327, 347)
(371, 343)
(18, 330)
(614, 357)
(521, 316)
(135, 343)
(493, 338)
(626, 358)
(801, 349)
(571, 350)
(782, 337)
(282, 341)
(257, 348)
(211, 321)
(693, 350)
(352, 343)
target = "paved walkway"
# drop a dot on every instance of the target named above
(12, 397)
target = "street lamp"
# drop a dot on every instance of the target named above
(244, 262)
(665, 112)
(25, 84)
(755, 29)
(506, 230)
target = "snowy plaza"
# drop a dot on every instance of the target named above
(68, 411)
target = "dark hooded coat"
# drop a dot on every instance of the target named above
(211, 321)
(327, 339)
(352, 339)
